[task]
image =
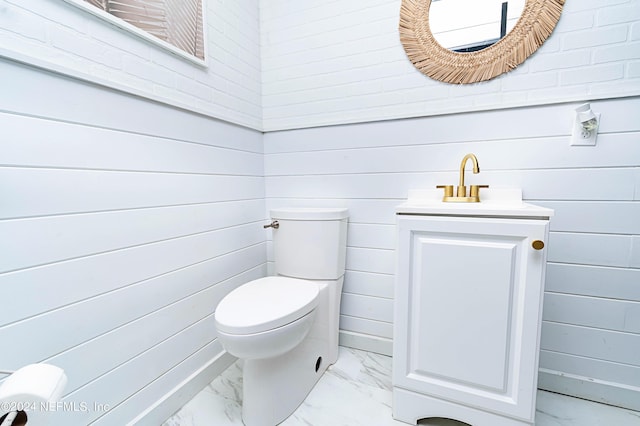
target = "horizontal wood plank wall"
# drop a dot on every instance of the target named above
(591, 329)
(122, 224)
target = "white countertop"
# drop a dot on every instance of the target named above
(493, 202)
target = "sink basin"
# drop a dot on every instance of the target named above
(493, 202)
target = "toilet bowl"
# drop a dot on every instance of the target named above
(285, 327)
(266, 317)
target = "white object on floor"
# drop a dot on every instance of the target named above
(31, 389)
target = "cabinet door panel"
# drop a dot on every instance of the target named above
(468, 309)
(461, 310)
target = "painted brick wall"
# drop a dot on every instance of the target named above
(331, 62)
(63, 34)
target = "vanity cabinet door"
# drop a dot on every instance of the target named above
(468, 310)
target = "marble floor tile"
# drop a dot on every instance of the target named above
(356, 391)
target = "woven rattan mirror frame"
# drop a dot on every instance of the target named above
(536, 23)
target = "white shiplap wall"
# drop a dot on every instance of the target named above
(329, 63)
(122, 224)
(137, 217)
(591, 331)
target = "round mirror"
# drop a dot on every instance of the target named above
(472, 25)
(470, 60)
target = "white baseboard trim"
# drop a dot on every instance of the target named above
(173, 400)
(366, 342)
(610, 393)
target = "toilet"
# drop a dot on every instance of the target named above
(285, 327)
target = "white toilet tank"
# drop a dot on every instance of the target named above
(310, 243)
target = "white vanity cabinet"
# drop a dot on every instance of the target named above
(467, 313)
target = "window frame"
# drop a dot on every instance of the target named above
(132, 29)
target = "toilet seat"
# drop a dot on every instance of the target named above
(265, 304)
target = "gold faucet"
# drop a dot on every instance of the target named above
(461, 193)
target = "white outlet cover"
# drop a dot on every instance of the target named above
(577, 137)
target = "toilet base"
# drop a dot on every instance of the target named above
(273, 388)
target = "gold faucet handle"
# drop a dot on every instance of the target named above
(448, 190)
(475, 191)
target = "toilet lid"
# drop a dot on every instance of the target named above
(265, 304)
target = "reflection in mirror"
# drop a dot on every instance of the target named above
(472, 25)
